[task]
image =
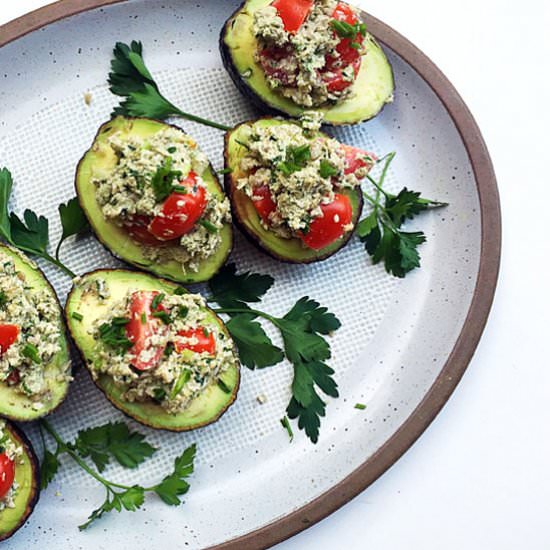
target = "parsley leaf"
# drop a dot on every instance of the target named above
(29, 234)
(381, 230)
(113, 440)
(255, 348)
(175, 485)
(130, 79)
(130, 450)
(232, 291)
(73, 221)
(48, 468)
(303, 330)
(163, 179)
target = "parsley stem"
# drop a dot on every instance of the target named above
(200, 120)
(59, 264)
(63, 448)
(274, 320)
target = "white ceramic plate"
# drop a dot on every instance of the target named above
(403, 345)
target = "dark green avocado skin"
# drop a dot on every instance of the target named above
(35, 491)
(262, 103)
(293, 255)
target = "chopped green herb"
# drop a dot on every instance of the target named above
(225, 171)
(209, 226)
(183, 378)
(326, 169)
(355, 45)
(164, 316)
(180, 189)
(296, 159)
(113, 334)
(3, 299)
(286, 425)
(183, 311)
(360, 406)
(171, 150)
(163, 179)
(180, 291)
(159, 394)
(77, 316)
(344, 30)
(143, 318)
(169, 349)
(242, 144)
(223, 386)
(30, 351)
(157, 300)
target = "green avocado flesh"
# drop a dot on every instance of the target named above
(99, 160)
(26, 475)
(203, 410)
(372, 89)
(15, 405)
(247, 218)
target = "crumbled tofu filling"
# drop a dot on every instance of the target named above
(35, 312)
(299, 195)
(128, 191)
(163, 383)
(297, 69)
(15, 453)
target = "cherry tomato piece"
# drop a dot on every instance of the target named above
(335, 80)
(263, 202)
(180, 211)
(343, 12)
(270, 60)
(205, 342)
(140, 332)
(8, 336)
(356, 159)
(138, 229)
(293, 12)
(7, 474)
(325, 230)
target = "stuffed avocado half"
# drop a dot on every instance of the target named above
(35, 367)
(154, 201)
(158, 353)
(19, 479)
(289, 56)
(294, 191)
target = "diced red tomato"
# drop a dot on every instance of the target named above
(325, 230)
(263, 202)
(139, 332)
(356, 159)
(180, 211)
(293, 12)
(138, 229)
(205, 341)
(7, 474)
(8, 336)
(270, 59)
(335, 80)
(344, 12)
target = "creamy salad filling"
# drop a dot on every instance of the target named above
(29, 323)
(301, 170)
(15, 454)
(173, 351)
(147, 193)
(317, 63)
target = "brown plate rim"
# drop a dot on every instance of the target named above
(478, 312)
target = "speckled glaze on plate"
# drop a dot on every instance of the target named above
(404, 344)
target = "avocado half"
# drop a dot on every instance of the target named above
(27, 475)
(203, 410)
(100, 158)
(15, 405)
(246, 217)
(373, 87)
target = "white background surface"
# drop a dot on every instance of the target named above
(479, 477)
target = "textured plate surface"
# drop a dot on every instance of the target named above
(397, 336)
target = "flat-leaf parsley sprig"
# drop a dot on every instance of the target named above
(114, 441)
(30, 234)
(304, 330)
(131, 79)
(381, 230)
